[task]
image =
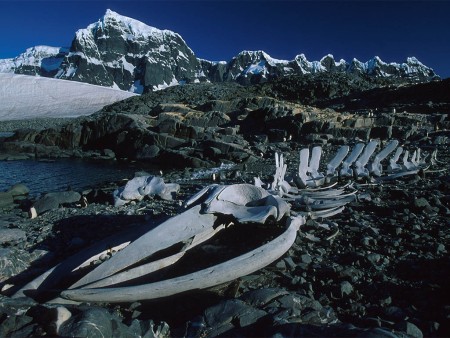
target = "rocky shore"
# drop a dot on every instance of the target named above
(384, 273)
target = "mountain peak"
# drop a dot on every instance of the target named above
(413, 60)
(121, 52)
(130, 28)
(111, 13)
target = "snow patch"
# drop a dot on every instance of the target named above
(24, 97)
(165, 85)
(256, 69)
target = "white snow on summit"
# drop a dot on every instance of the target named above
(131, 28)
(38, 56)
(24, 97)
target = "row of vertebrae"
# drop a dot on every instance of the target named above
(359, 163)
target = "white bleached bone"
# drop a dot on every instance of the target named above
(375, 167)
(337, 160)
(170, 232)
(279, 184)
(407, 164)
(319, 213)
(416, 160)
(242, 213)
(145, 269)
(361, 162)
(314, 162)
(244, 202)
(434, 160)
(303, 166)
(209, 191)
(98, 256)
(314, 204)
(247, 203)
(139, 187)
(308, 170)
(346, 165)
(241, 194)
(393, 165)
(218, 274)
(50, 278)
(258, 182)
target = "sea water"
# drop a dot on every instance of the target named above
(59, 175)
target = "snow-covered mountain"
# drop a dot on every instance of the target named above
(24, 97)
(254, 66)
(124, 53)
(39, 60)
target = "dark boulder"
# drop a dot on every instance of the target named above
(6, 200)
(53, 200)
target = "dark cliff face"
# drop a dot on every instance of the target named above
(123, 53)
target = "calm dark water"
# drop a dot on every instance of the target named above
(41, 177)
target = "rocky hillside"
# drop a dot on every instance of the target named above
(378, 269)
(121, 52)
(204, 125)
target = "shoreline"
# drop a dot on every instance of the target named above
(38, 124)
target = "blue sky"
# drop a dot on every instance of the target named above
(218, 30)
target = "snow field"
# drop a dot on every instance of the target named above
(25, 97)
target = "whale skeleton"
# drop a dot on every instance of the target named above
(207, 213)
(287, 201)
(361, 162)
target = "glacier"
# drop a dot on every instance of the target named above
(25, 97)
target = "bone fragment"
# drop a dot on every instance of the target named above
(258, 182)
(313, 204)
(407, 165)
(314, 162)
(210, 190)
(281, 206)
(148, 268)
(53, 276)
(322, 213)
(303, 166)
(361, 162)
(104, 252)
(393, 166)
(241, 213)
(172, 231)
(346, 170)
(375, 167)
(323, 193)
(337, 160)
(141, 186)
(241, 194)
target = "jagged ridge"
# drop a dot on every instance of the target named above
(124, 53)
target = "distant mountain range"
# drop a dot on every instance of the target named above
(123, 53)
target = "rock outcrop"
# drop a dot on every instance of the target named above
(202, 125)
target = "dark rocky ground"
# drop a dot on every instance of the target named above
(384, 274)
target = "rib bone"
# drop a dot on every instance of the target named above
(218, 274)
